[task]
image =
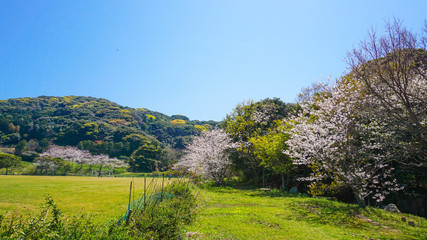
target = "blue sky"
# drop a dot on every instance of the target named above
(195, 58)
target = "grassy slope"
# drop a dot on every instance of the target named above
(252, 214)
(229, 213)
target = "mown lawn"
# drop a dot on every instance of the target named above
(226, 213)
(252, 214)
(105, 198)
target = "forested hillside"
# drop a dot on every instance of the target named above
(94, 124)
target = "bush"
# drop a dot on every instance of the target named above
(165, 219)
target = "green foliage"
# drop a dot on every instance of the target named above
(90, 130)
(180, 117)
(10, 139)
(150, 117)
(9, 161)
(147, 158)
(201, 128)
(29, 156)
(269, 149)
(250, 123)
(135, 141)
(166, 219)
(178, 121)
(43, 145)
(51, 224)
(20, 147)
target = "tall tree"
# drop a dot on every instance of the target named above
(251, 120)
(393, 70)
(340, 140)
(270, 149)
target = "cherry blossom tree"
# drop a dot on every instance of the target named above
(392, 68)
(103, 160)
(80, 157)
(113, 163)
(208, 155)
(341, 141)
(69, 153)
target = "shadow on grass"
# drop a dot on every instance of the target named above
(228, 188)
(322, 211)
(317, 211)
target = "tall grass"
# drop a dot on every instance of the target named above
(163, 213)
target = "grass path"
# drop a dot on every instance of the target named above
(251, 214)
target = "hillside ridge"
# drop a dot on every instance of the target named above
(97, 124)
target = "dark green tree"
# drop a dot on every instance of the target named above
(147, 158)
(252, 120)
(21, 147)
(43, 145)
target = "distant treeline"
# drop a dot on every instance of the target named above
(95, 124)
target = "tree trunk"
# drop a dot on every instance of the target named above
(360, 200)
(99, 174)
(283, 182)
(263, 177)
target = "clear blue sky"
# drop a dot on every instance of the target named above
(197, 58)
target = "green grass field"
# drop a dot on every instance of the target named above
(104, 198)
(227, 213)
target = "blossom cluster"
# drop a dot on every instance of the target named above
(77, 156)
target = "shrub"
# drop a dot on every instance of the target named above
(165, 219)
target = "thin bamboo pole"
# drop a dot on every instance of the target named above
(129, 210)
(145, 183)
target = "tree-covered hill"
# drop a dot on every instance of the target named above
(96, 124)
